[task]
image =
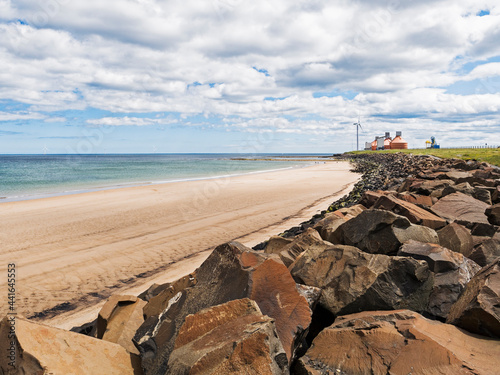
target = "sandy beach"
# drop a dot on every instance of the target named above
(71, 252)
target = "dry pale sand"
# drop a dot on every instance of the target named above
(71, 252)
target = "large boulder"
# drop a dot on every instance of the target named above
(302, 242)
(481, 229)
(452, 272)
(398, 342)
(234, 337)
(415, 214)
(486, 252)
(457, 238)
(427, 187)
(419, 200)
(458, 206)
(463, 188)
(381, 232)
(483, 194)
(231, 272)
(478, 308)
(37, 349)
(328, 225)
(493, 214)
(349, 212)
(370, 197)
(119, 319)
(275, 244)
(352, 280)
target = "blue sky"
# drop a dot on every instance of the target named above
(235, 76)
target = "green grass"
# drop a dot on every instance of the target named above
(489, 155)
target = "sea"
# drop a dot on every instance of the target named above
(24, 177)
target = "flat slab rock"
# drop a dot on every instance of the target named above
(458, 206)
(415, 214)
(40, 350)
(230, 338)
(398, 342)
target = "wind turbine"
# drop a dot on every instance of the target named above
(358, 125)
(45, 149)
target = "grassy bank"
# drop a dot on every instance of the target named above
(489, 155)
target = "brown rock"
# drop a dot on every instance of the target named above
(409, 184)
(303, 241)
(398, 342)
(475, 181)
(493, 214)
(230, 338)
(487, 252)
(478, 308)
(427, 187)
(422, 200)
(231, 272)
(155, 289)
(350, 212)
(327, 226)
(483, 194)
(457, 238)
(275, 291)
(478, 240)
(452, 272)
(495, 196)
(310, 293)
(464, 188)
(481, 229)
(276, 244)
(369, 198)
(415, 214)
(352, 280)
(455, 175)
(160, 301)
(119, 319)
(431, 175)
(381, 232)
(458, 206)
(39, 349)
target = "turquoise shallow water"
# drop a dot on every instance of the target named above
(32, 176)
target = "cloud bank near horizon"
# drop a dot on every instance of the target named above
(307, 68)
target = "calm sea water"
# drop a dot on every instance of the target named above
(33, 176)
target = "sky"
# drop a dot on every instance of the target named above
(281, 76)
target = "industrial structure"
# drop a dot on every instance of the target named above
(387, 143)
(432, 143)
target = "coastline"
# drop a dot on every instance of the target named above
(75, 250)
(124, 185)
(130, 184)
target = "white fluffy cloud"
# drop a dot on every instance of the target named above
(306, 66)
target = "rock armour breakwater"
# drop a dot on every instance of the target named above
(400, 276)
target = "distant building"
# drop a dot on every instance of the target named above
(398, 143)
(386, 143)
